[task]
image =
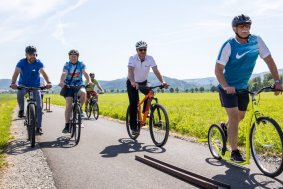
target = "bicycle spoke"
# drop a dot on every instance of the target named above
(266, 144)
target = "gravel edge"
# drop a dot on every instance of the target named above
(27, 167)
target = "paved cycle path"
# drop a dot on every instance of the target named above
(105, 158)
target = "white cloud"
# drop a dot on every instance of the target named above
(19, 17)
(59, 33)
(56, 24)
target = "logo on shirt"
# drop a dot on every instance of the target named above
(240, 56)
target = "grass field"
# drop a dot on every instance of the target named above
(189, 113)
(7, 105)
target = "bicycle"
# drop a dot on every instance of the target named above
(158, 119)
(264, 138)
(93, 107)
(31, 115)
(75, 120)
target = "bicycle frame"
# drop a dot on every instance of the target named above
(149, 97)
(31, 101)
(254, 114)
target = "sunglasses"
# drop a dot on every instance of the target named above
(142, 50)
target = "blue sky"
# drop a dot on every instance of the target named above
(183, 36)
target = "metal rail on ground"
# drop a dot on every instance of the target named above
(182, 174)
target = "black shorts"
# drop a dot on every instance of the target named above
(240, 100)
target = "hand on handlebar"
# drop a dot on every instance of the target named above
(13, 86)
(165, 85)
(48, 86)
(62, 84)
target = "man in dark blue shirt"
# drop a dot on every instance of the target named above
(30, 69)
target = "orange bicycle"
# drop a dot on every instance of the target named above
(158, 118)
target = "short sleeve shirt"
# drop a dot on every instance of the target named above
(91, 88)
(240, 59)
(77, 78)
(29, 75)
(141, 69)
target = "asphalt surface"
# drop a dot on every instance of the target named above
(105, 158)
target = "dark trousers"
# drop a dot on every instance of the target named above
(133, 95)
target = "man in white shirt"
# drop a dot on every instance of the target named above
(138, 68)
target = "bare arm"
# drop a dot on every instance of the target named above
(14, 78)
(159, 76)
(219, 68)
(157, 73)
(272, 67)
(131, 74)
(99, 86)
(63, 77)
(274, 72)
(45, 76)
(86, 76)
(15, 75)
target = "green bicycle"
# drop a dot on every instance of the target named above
(263, 136)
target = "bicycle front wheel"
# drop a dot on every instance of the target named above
(216, 141)
(89, 110)
(159, 125)
(266, 140)
(76, 123)
(95, 110)
(32, 124)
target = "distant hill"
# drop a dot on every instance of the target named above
(203, 82)
(121, 83)
(5, 84)
(174, 83)
(210, 81)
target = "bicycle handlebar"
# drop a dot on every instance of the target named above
(30, 88)
(74, 86)
(146, 87)
(259, 91)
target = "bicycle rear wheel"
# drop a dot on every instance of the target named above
(128, 125)
(32, 124)
(159, 125)
(266, 140)
(76, 124)
(216, 141)
(95, 110)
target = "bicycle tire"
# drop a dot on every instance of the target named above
(77, 121)
(32, 124)
(266, 141)
(128, 125)
(95, 110)
(216, 139)
(88, 112)
(159, 125)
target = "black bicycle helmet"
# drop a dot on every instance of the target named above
(31, 50)
(74, 52)
(241, 19)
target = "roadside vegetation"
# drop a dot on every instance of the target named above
(7, 105)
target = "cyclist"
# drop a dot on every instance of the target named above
(90, 89)
(30, 69)
(233, 69)
(72, 75)
(138, 69)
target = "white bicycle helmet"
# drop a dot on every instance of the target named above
(141, 44)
